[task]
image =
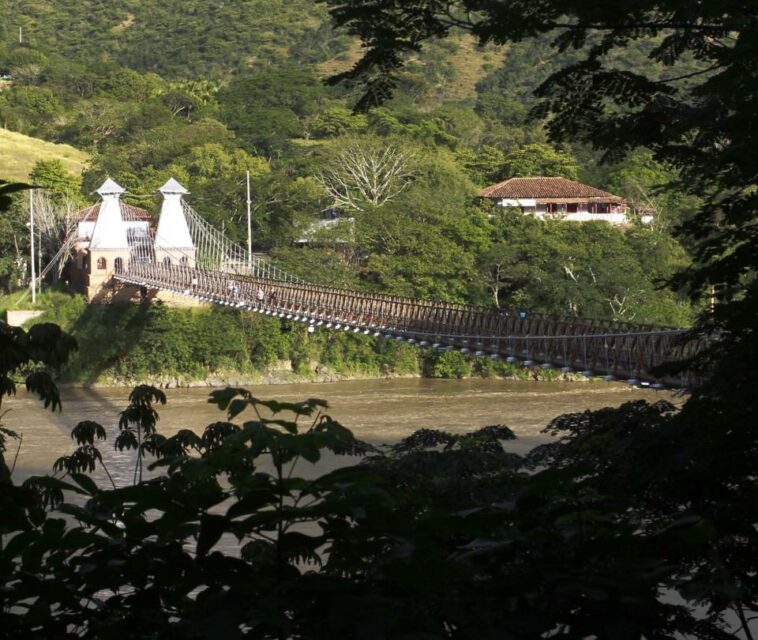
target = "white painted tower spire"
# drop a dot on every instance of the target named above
(172, 238)
(110, 230)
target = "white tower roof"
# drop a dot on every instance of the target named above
(110, 230)
(173, 232)
(110, 187)
(172, 186)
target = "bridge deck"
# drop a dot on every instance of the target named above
(614, 349)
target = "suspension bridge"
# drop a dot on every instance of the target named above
(188, 257)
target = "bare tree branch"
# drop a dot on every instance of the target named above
(363, 175)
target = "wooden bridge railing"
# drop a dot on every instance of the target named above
(613, 348)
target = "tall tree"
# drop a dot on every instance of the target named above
(367, 173)
(539, 160)
(60, 185)
(14, 238)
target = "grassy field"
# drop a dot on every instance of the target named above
(471, 64)
(18, 153)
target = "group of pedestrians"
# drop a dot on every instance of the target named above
(218, 284)
(233, 291)
(261, 296)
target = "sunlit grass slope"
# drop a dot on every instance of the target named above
(18, 153)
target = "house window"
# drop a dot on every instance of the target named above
(184, 261)
(118, 265)
(551, 207)
(603, 207)
(166, 261)
(101, 263)
(572, 207)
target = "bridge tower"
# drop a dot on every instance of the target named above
(108, 246)
(173, 242)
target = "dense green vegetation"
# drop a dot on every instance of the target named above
(124, 344)
(175, 38)
(205, 94)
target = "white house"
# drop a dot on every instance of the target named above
(558, 198)
(332, 228)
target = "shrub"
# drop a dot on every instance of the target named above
(447, 364)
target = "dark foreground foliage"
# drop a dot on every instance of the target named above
(692, 474)
(221, 535)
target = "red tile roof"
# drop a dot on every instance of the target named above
(546, 188)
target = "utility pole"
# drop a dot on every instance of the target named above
(249, 229)
(39, 258)
(31, 227)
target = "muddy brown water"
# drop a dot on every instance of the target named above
(378, 411)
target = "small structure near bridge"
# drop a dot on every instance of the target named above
(111, 235)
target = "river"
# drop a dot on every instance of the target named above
(378, 411)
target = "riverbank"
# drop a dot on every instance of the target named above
(124, 345)
(285, 377)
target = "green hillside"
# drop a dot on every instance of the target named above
(18, 153)
(166, 36)
(207, 92)
(189, 39)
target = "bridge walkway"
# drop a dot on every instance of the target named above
(614, 349)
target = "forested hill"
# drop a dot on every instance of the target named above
(175, 38)
(197, 40)
(206, 91)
